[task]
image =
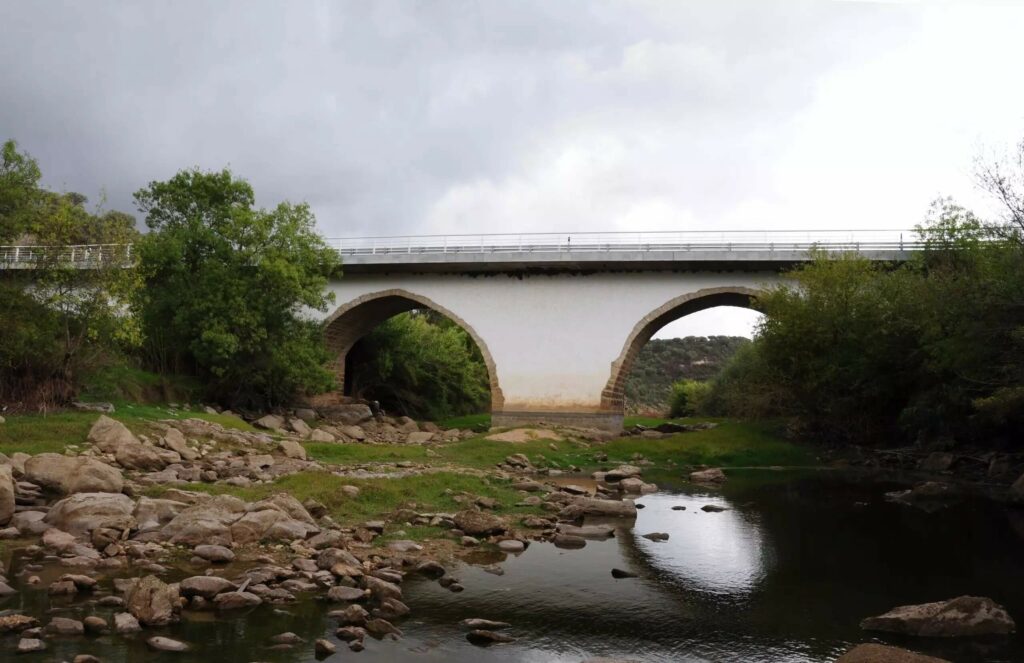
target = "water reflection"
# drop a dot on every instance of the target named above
(721, 553)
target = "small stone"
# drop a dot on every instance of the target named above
(485, 624)
(124, 622)
(511, 546)
(656, 536)
(27, 645)
(323, 648)
(620, 573)
(65, 626)
(287, 638)
(341, 594)
(94, 624)
(160, 643)
(713, 508)
(212, 553)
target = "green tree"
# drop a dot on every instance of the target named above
(226, 285)
(56, 319)
(422, 365)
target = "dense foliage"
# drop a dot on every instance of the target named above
(56, 320)
(662, 362)
(928, 351)
(225, 286)
(422, 365)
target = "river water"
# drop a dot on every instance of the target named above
(784, 575)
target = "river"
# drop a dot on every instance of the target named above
(783, 575)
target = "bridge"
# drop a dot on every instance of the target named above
(558, 317)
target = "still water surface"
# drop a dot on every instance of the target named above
(784, 575)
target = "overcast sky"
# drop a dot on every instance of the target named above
(493, 116)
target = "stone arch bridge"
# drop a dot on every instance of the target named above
(559, 318)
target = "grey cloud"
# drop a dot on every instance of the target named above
(374, 111)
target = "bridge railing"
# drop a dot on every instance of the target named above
(82, 256)
(693, 241)
(88, 256)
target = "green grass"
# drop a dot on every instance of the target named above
(474, 422)
(42, 433)
(425, 493)
(730, 444)
(124, 383)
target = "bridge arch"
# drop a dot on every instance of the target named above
(613, 394)
(357, 318)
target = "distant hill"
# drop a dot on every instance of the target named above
(664, 361)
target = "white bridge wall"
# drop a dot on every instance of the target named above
(553, 338)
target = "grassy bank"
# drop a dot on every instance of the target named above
(42, 433)
(730, 444)
(424, 492)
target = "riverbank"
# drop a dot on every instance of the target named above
(152, 517)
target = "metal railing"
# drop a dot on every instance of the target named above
(684, 241)
(81, 256)
(88, 256)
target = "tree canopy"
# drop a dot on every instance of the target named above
(226, 285)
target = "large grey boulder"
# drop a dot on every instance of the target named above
(269, 525)
(151, 513)
(73, 474)
(175, 440)
(479, 523)
(140, 456)
(292, 449)
(205, 586)
(959, 617)
(152, 601)
(287, 505)
(712, 475)
(108, 434)
(209, 521)
(348, 413)
(6, 494)
(590, 506)
(269, 422)
(83, 512)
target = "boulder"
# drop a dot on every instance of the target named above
(299, 427)
(479, 523)
(205, 586)
(419, 437)
(269, 422)
(125, 622)
(27, 645)
(712, 475)
(236, 600)
(108, 435)
(83, 512)
(69, 475)
(292, 449)
(161, 643)
(140, 456)
(151, 513)
(286, 504)
(354, 432)
(348, 413)
(592, 506)
(213, 553)
(319, 435)
(207, 522)
(65, 626)
(875, 653)
(622, 472)
(484, 638)
(269, 525)
(343, 594)
(174, 440)
(323, 648)
(959, 617)
(6, 494)
(152, 601)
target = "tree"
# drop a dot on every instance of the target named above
(226, 285)
(57, 318)
(422, 365)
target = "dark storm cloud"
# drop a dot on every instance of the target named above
(393, 117)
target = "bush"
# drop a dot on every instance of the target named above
(688, 398)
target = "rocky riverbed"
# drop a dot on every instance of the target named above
(124, 542)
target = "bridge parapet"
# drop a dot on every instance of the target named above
(561, 251)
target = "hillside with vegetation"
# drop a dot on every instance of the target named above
(664, 361)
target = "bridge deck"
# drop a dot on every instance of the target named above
(550, 251)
